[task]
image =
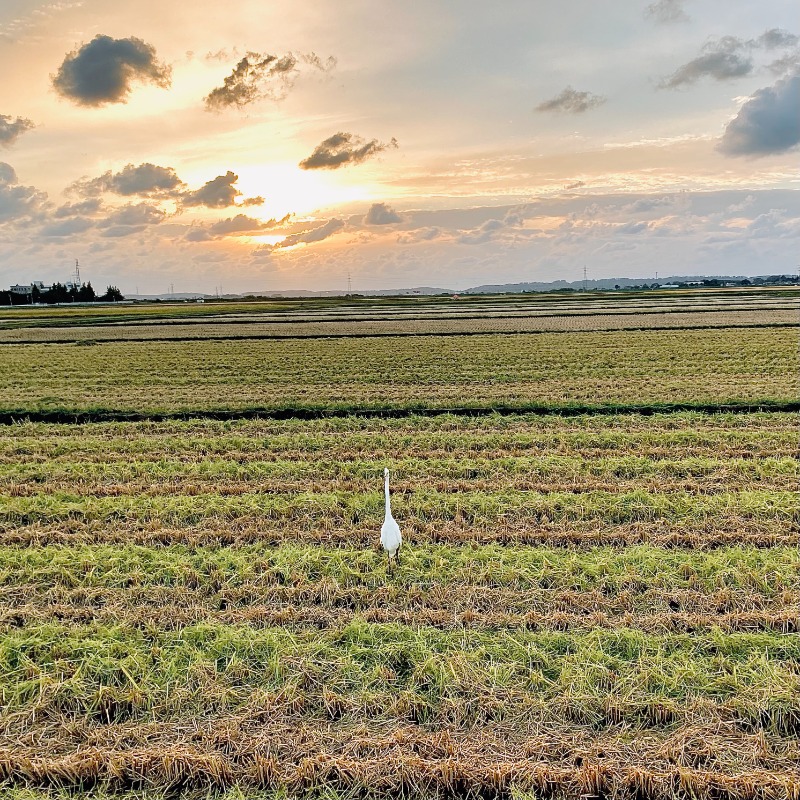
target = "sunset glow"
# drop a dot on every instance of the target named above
(451, 145)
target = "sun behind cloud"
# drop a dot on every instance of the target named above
(287, 189)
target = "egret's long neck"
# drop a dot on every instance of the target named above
(386, 490)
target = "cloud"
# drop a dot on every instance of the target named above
(15, 27)
(633, 227)
(313, 60)
(8, 175)
(420, 235)
(261, 75)
(249, 80)
(721, 59)
(197, 233)
(730, 57)
(218, 193)
(666, 11)
(313, 235)
(84, 208)
(483, 233)
(17, 201)
(147, 180)
(767, 123)
(243, 224)
(775, 38)
(785, 64)
(12, 129)
(344, 148)
(103, 70)
(381, 214)
(67, 227)
(572, 101)
(133, 215)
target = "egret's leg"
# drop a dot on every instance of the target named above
(397, 555)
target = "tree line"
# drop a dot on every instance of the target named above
(59, 293)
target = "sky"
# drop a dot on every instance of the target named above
(266, 146)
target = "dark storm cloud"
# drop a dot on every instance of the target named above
(146, 180)
(572, 101)
(17, 201)
(667, 11)
(11, 129)
(344, 148)
(261, 75)
(381, 214)
(218, 193)
(767, 123)
(103, 70)
(313, 235)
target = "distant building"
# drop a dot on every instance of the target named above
(27, 288)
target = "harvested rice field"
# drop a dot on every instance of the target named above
(598, 593)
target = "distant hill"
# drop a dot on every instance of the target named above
(490, 288)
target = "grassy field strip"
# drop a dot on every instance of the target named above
(738, 597)
(325, 511)
(168, 615)
(656, 436)
(425, 675)
(53, 315)
(434, 315)
(768, 572)
(432, 372)
(371, 760)
(517, 473)
(231, 330)
(701, 534)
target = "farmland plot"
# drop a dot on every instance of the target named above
(613, 368)
(601, 600)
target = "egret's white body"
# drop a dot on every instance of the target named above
(391, 538)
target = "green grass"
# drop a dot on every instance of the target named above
(261, 566)
(206, 668)
(553, 370)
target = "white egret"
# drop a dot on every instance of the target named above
(391, 538)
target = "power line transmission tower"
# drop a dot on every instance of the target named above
(585, 284)
(349, 284)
